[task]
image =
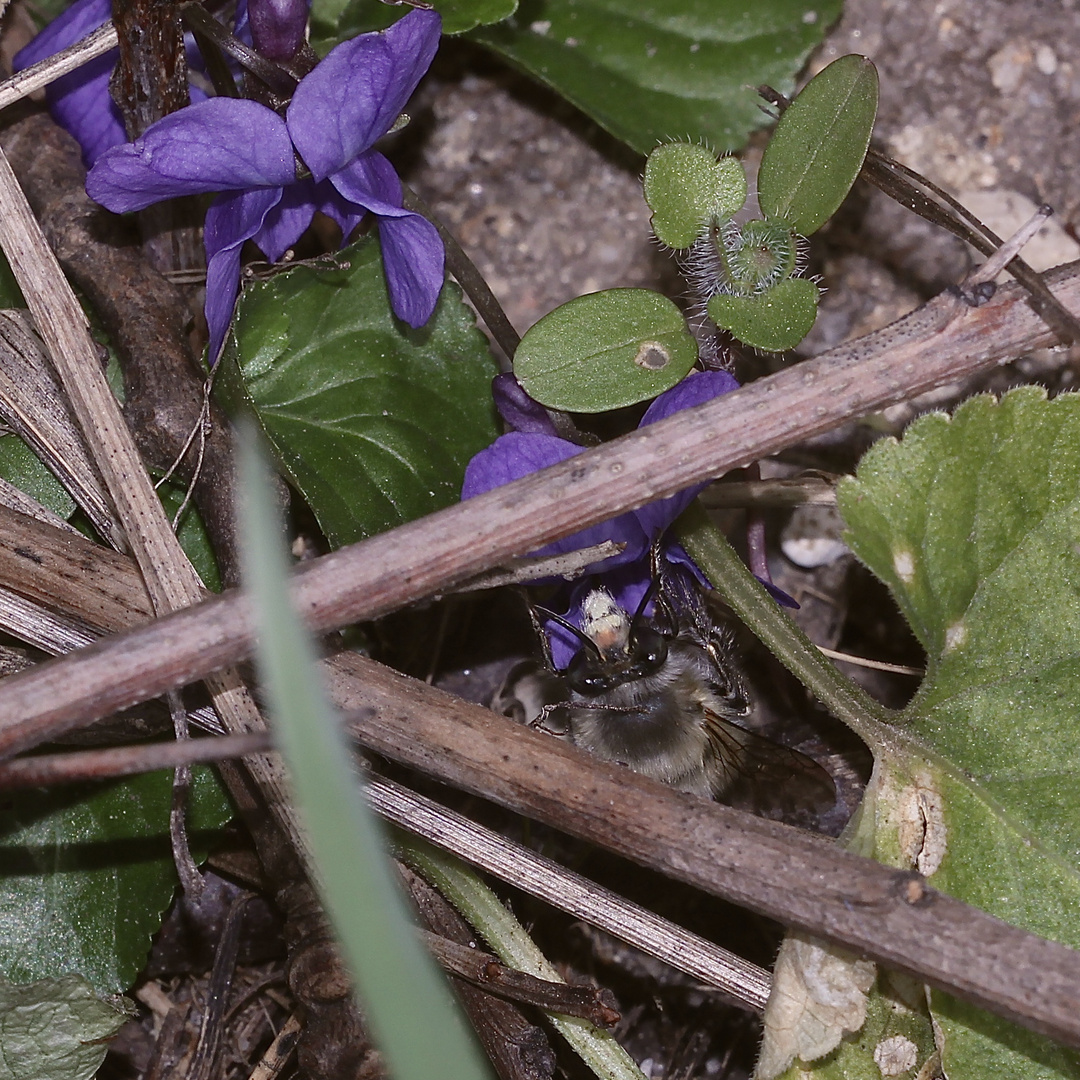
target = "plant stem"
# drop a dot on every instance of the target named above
(708, 547)
(510, 942)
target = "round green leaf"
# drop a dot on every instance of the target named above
(373, 422)
(775, 320)
(605, 350)
(685, 187)
(819, 145)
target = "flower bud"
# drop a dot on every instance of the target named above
(278, 26)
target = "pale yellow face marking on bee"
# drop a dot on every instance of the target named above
(604, 621)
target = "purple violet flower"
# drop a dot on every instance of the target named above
(246, 151)
(533, 445)
(80, 101)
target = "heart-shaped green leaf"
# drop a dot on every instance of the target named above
(685, 187)
(819, 145)
(649, 69)
(372, 421)
(605, 350)
(774, 320)
(86, 873)
(974, 523)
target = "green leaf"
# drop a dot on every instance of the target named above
(397, 980)
(334, 21)
(86, 872)
(685, 187)
(819, 145)
(192, 534)
(974, 523)
(649, 69)
(775, 320)
(54, 1030)
(605, 350)
(372, 421)
(19, 465)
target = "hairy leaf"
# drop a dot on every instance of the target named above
(774, 320)
(974, 523)
(373, 422)
(605, 350)
(20, 466)
(819, 145)
(685, 187)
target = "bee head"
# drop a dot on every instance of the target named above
(615, 648)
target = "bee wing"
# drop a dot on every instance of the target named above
(753, 773)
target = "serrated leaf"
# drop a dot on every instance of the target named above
(974, 523)
(55, 1029)
(686, 187)
(373, 422)
(605, 350)
(774, 320)
(86, 873)
(819, 145)
(334, 21)
(649, 69)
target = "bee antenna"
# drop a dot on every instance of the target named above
(639, 615)
(579, 634)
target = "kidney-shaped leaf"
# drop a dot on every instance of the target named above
(372, 421)
(605, 350)
(974, 523)
(819, 145)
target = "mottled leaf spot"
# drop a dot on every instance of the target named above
(904, 565)
(923, 834)
(896, 1055)
(652, 356)
(955, 635)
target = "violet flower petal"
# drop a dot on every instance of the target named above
(331, 202)
(358, 90)
(413, 254)
(413, 259)
(519, 410)
(79, 101)
(371, 181)
(517, 454)
(218, 144)
(697, 388)
(233, 218)
(286, 222)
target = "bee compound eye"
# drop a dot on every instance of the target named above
(650, 652)
(583, 678)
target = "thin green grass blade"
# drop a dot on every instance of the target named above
(408, 1005)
